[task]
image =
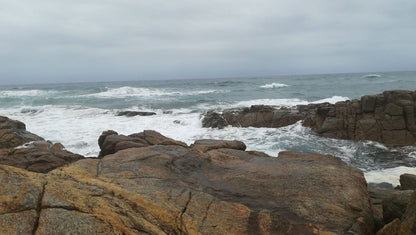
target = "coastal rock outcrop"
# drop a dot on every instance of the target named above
(13, 133)
(38, 156)
(210, 187)
(23, 149)
(389, 118)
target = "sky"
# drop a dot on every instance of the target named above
(118, 40)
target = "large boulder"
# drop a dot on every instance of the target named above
(408, 182)
(13, 133)
(214, 120)
(111, 142)
(395, 205)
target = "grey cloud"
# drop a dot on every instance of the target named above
(55, 41)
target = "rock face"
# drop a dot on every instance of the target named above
(13, 133)
(164, 187)
(388, 118)
(135, 113)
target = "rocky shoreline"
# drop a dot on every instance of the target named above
(146, 183)
(388, 118)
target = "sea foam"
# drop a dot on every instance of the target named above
(274, 85)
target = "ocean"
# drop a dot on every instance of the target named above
(75, 114)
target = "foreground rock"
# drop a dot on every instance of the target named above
(213, 187)
(388, 118)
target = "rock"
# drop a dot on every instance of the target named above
(13, 133)
(382, 185)
(377, 195)
(395, 205)
(110, 141)
(390, 228)
(135, 113)
(388, 118)
(39, 156)
(262, 116)
(408, 225)
(214, 120)
(175, 189)
(408, 182)
(208, 144)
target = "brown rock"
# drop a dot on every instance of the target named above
(209, 144)
(110, 142)
(368, 103)
(395, 205)
(171, 189)
(408, 182)
(408, 225)
(39, 156)
(391, 228)
(13, 133)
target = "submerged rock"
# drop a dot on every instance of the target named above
(135, 113)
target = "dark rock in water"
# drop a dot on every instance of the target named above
(111, 142)
(395, 205)
(39, 156)
(262, 116)
(135, 113)
(408, 182)
(214, 120)
(13, 133)
(168, 188)
(383, 185)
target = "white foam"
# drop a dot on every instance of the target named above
(20, 93)
(331, 100)
(126, 91)
(274, 85)
(276, 102)
(390, 175)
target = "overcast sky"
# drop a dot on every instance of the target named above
(109, 40)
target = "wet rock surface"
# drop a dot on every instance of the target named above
(135, 113)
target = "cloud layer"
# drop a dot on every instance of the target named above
(93, 40)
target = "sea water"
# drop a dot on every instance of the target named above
(76, 114)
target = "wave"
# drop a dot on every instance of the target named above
(20, 93)
(126, 91)
(390, 175)
(331, 100)
(274, 85)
